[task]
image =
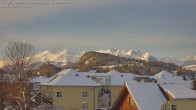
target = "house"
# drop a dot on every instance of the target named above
(69, 90)
(166, 77)
(114, 84)
(36, 81)
(180, 96)
(170, 92)
(139, 96)
(104, 86)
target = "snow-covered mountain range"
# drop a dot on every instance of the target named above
(173, 60)
(188, 62)
(130, 54)
(60, 58)
(64, 57)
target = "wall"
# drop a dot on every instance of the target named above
(72, 97)
(181, 104)
(115, 91)
(125, 101)
(128, 104)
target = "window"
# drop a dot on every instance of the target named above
(129, 101)
(173, 107)
(58, 94)
(84, 94)
(107, 80)
(85, 108)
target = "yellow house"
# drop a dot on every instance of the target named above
(69, 90)
(180, 96)
(72, 90)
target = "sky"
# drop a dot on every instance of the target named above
(162, 28)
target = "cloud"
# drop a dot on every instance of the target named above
(14, 15)
(88, 24)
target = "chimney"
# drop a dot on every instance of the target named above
(194, 84)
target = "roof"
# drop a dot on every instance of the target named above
(119, 80)
(179, 90)
(146, 95)
(69, 77)
(166, 77)
(99, 75)
(114, 72)
(92, 71)
(39, 79)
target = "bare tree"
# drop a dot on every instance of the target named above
(18, 65)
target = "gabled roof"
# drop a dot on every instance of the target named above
(147, 96)
(114, 72)
(163, 74)
(179, 90)
(166, 77)
(69, 77)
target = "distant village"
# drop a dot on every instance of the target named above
(73, 90)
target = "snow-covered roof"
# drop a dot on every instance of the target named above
(69, 77)
(166, 77)
(119, 80)
(180, 90)
(146, 95)
(39, 79)
(99, 74)
(114, 72)
(92, 71)
(115, 78)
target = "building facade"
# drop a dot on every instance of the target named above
(72, 98)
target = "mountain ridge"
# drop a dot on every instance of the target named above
(66, 56)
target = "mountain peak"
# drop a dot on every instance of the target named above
(129, 54)
(148, 57)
